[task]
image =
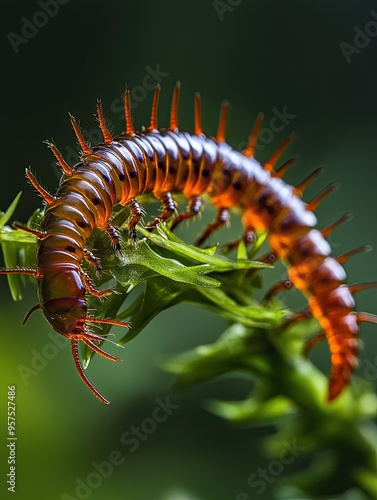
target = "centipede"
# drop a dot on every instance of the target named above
(164, 162)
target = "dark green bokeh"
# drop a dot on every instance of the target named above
(260, 56)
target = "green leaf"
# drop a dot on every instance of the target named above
(286, 389)
(252, 410)
(143, 255)
(166, 239)
(18, 249)
(4, 217)
(367, 480)
(291, 393)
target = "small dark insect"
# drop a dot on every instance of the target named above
(168, 161)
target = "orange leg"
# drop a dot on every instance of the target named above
(92, 259)
(21, 270)
(280, 286)
(106, 321)
(268, 258)
(35, 232)
(247, 238)
(194, 207)
(136, 214)
(221, 219)
(91, 288)
(49, 198)
(115, 237)
(300, 316)
(168, 208)
(313, 341)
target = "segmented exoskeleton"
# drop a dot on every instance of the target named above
(168, 161)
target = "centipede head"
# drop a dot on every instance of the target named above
(68, 316)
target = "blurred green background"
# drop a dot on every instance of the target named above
(261, 56)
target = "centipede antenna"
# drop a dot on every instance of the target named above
(197, 115)
(83, 144)
(221, 130)
(102, 123)
(330, 228)
(49, 198)
(64, 165)
(281, 171)
(253, 137)
(153, 125)
(300, 188)
(28, 314)
(362, 249)
(79, 368)
(357, 287)
(26, 229)
(271, 162)
(173, 125)
(98, 350)
(321, 196)
(130, 129)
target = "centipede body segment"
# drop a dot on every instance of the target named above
(164, 162)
